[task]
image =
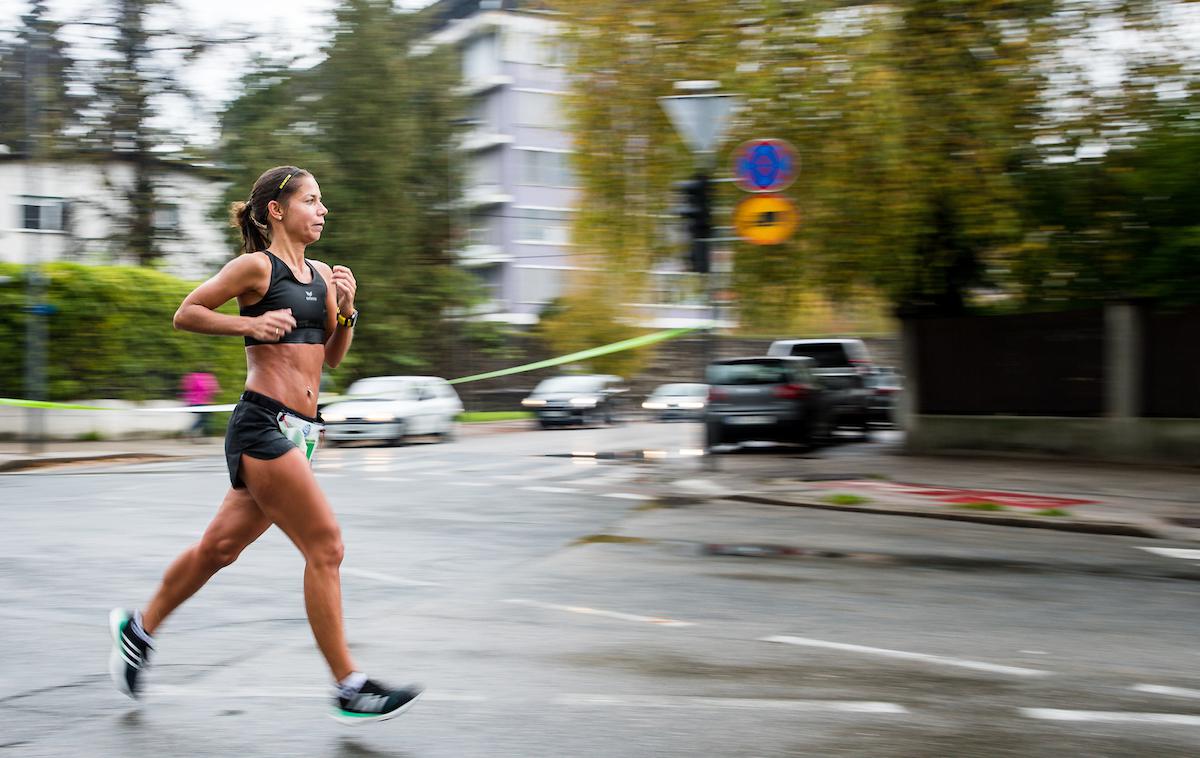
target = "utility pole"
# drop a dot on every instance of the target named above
(701, 118)
(35, 309)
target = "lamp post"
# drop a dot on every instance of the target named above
(700, 117)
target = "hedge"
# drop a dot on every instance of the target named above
(110, 335)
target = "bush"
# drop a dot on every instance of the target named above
(111, 335)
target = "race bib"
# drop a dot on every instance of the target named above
(301, 433)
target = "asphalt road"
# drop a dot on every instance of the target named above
(553, 608)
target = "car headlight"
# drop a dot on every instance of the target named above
(531, 402)
(381, 417)
(654, 405)
(692, 405)
(583, 402)
(333, 416)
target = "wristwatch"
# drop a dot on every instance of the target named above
(348, 321)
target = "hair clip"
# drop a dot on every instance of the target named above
(285, 180)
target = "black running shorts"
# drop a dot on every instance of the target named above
(264, 428)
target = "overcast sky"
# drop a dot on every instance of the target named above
(288, 28)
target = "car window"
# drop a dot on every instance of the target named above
(382, 387)
(828, 355)
(570, 384)
(445, 390)
(682, 390)
(765, 371)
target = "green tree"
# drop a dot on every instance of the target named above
(35, 70)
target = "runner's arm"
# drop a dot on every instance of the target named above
(339, 298)
(246, 273)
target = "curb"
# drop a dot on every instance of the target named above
(1112, 528)
(23, 464)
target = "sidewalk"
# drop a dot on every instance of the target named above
(1072, 496)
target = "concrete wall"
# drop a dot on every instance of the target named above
(125, 421)
(1121, 434)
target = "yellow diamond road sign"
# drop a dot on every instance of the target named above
(766, 219)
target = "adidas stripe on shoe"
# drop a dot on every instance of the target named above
(374, 702)
(130, 654)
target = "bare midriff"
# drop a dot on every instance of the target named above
(289, 373)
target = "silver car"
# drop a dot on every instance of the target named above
(684, 401)
(390, 408)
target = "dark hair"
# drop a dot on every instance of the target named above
(250, 216)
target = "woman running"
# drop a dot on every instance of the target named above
(295, 314)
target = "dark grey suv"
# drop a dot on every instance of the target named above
(765, 398)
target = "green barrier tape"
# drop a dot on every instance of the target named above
(614, 347)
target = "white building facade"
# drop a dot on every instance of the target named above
(67, 210)
(520, 192)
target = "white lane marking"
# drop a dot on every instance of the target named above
(1158, 689)
(470, 484)
(387, 479)
(1127, 717)
(597, 612)
(904, 654)
(532, 475)
(627, 496)
(1187, 554)
(653, 701)
(1035, 652)
(591, 480)
(554, 490)
(364, 574)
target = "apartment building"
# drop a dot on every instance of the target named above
(520, 192)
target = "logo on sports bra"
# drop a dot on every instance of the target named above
(309, 296)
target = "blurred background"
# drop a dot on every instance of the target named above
(998, 197)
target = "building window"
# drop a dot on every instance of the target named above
(166, 218)
(480, 61)
(45, 214)
(543, 226)
(485, 170)
(546, 168)
(532, 48)
(540, 109)
(539, 284)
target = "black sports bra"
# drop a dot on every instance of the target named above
(307, 302)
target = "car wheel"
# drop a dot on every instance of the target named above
(713, 435)
(449, 431)
(399, 438)
(543, 423)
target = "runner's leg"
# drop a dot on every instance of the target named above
(287, 492)
(239, 522)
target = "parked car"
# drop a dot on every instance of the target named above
(677, 401)
(390, 408)
(576, 399)
(766, 398)
(843, 366)
(885, 385)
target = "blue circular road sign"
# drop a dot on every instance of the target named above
(765, 165)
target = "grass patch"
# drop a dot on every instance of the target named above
(981, 505)
(1055, 512)
(475, 417)
(844, 499)
(597, 539)
(91, 437)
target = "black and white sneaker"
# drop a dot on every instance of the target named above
(130, 655)
(374, 702)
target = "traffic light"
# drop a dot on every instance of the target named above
(696, 210)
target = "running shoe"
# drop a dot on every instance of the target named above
(374, 702)
(130, 655)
